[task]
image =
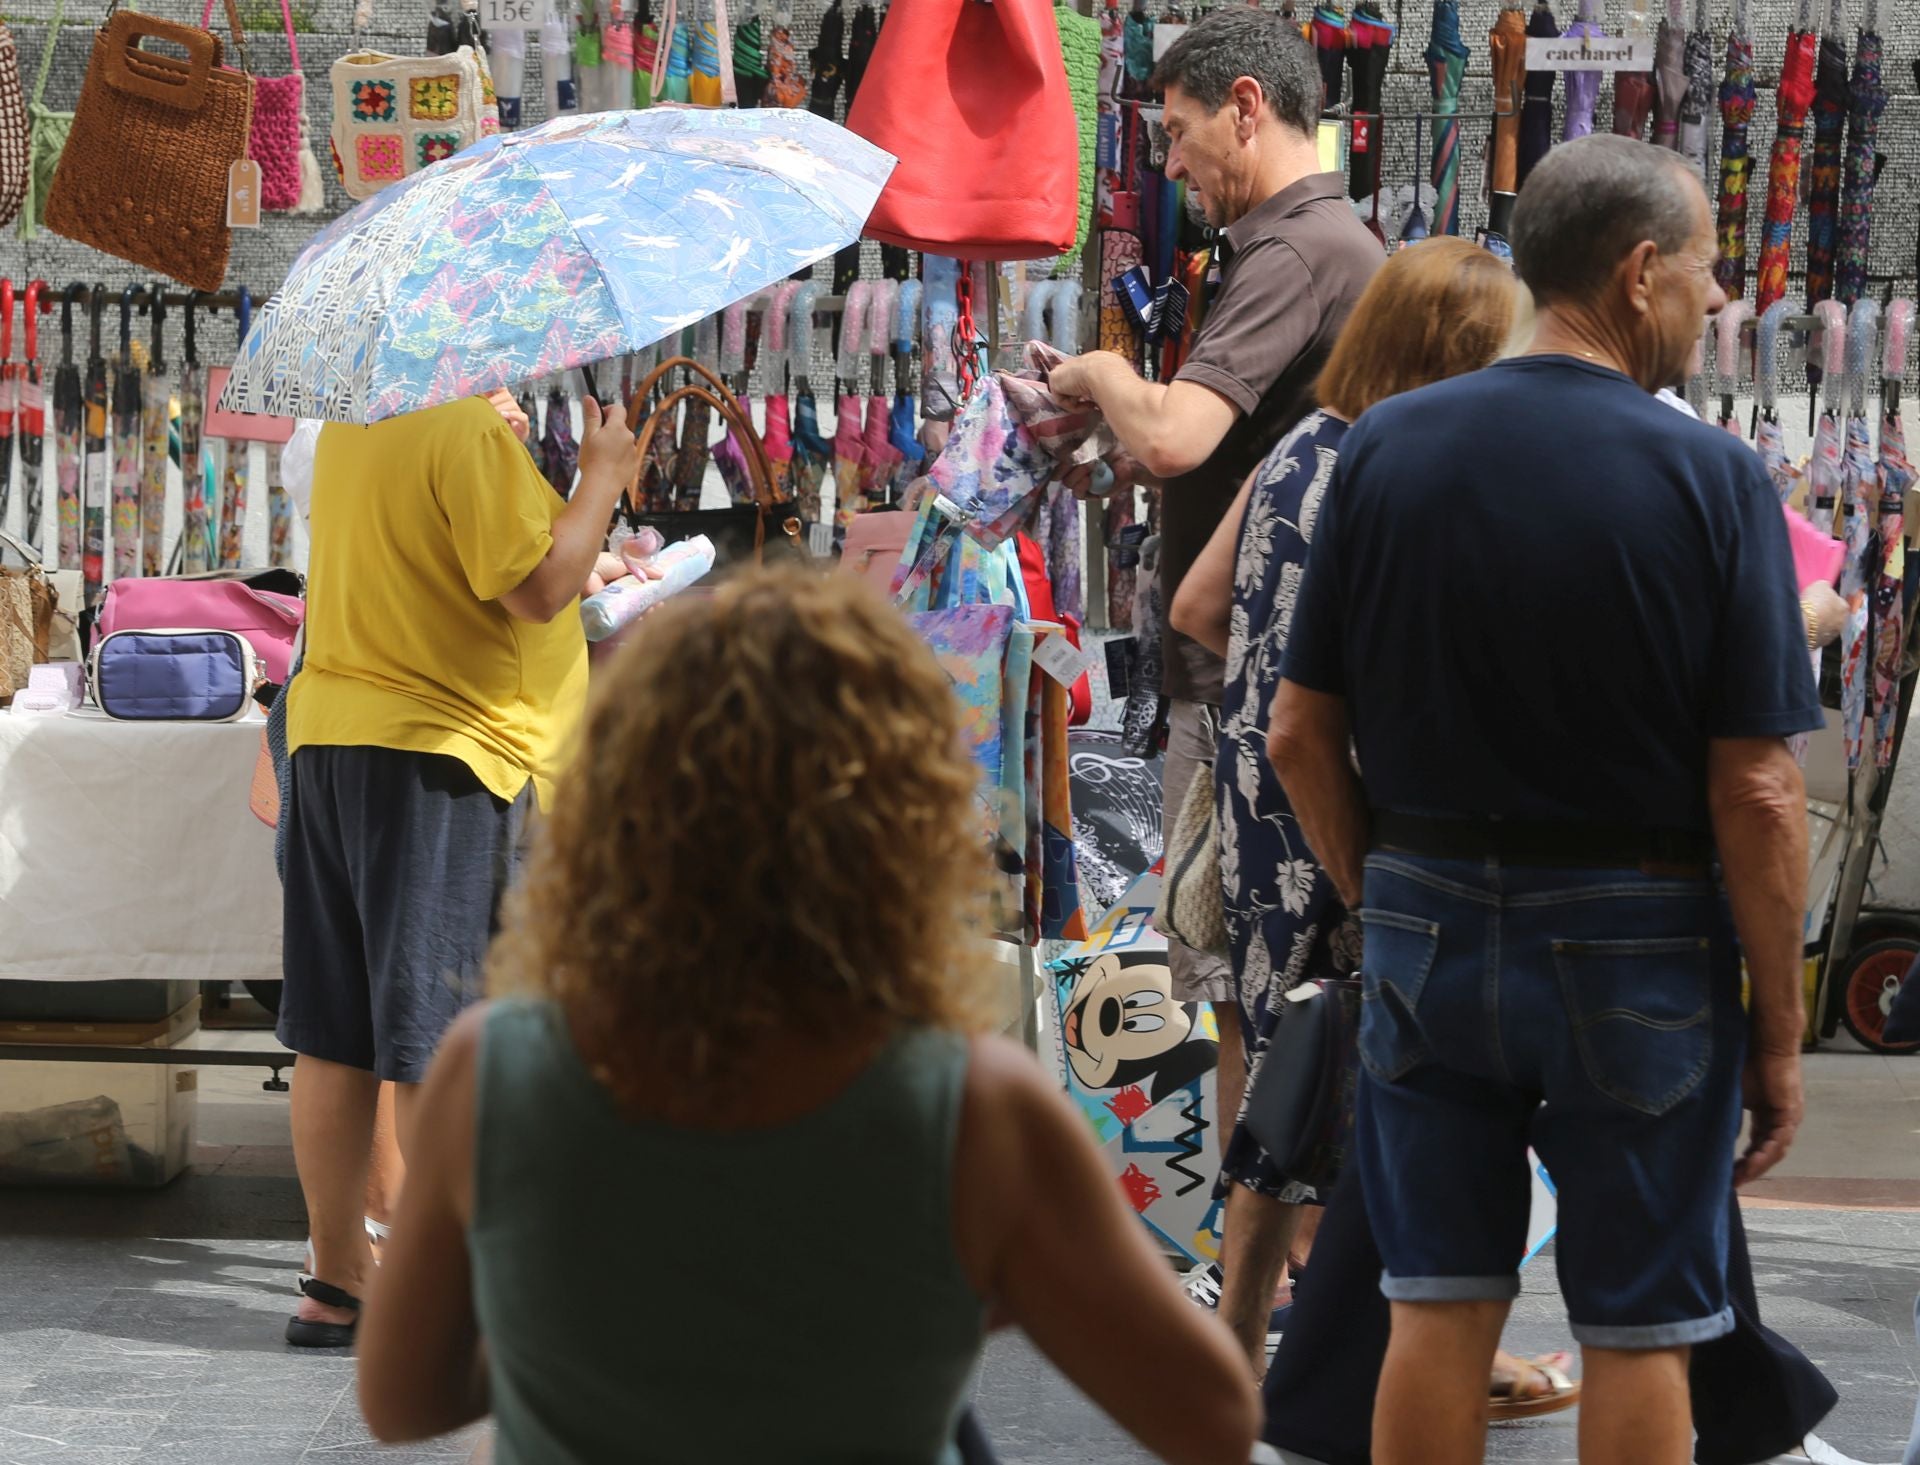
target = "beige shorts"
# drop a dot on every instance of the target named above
(1192, 737)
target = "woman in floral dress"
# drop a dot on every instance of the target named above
(1435, 310)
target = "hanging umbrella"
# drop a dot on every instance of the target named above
(9, 393)
(903, 429)
(1726, 358)
(778, 437)
(1697, 110)
(876, 442)
(1769, 439)
(1372, 41)
(1896, 476)
(1824, 472)
(69, 422)
(96, 467)
(829, 61)
(849, 447)
(786, 87)
(1414, 228)
(1859, 488)
(196, 532)
(1447, 64)
(1331, 37)
(579, 240)
(237, 474)
(1536, 114)
(1507, 48)
(750, 62)
(1830, 102)
(156, 419)
(127, 481)
(811, 452)
(33, 413)
(1736, 165)
(279, 511)
(1583, 87)
(1867, 99)
(1669, 78)
(1633, 93)
(1793, 97)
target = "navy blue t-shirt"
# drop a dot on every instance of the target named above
(1542, 591)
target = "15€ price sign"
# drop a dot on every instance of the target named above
(512, 15)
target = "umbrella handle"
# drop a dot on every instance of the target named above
(37, 306)
(800, 332)
(1726, 356)
(1766, 359)
(193, 346)
(6, 320)
(1863, 334)
(1893, 363)
(157, 303)
(96, 304)
(1832, 316)
(75, 292)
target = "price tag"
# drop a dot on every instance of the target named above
(1363, 134)
(512, 15)
(243, 195)
(1060, 659)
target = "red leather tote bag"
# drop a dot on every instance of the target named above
(972, 98)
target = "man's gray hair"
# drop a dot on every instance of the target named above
(1588, 203)
(1229, 44)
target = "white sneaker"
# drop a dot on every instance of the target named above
(1821, 1453)
(1202, 1285)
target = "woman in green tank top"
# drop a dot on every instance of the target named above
(735, 1056)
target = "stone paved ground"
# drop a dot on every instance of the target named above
(136, 1329)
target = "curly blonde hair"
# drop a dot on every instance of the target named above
(770, 826)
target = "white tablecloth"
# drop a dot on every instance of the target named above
(128, 850)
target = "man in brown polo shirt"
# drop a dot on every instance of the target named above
(1243, 98)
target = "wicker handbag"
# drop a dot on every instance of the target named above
(741, 533)
(27, 604)
(145, 172)
(16, 158)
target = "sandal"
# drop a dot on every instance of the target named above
(302, 1333)
(1505, 1401)
(378, 1234)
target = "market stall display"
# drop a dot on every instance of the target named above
(1736, 165)
(1791, 99)
(1867, 100)
(1830, 101)
(1446, 58)
(1583, 87)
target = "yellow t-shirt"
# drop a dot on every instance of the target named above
(418, 525)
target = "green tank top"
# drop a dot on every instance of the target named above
(656, 1294)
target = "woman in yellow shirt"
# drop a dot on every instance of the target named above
(444, 672)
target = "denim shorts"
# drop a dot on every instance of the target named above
(1592, 1014)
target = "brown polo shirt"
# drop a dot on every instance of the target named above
(1292, 269)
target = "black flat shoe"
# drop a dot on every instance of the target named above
(304, 1334)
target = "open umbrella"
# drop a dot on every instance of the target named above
(1896, 476)
(1769, 440)
(1372, 41)
(1669, 76)
(1583, 87)
(524, 255)
(69, 424)
(1331, 37)
(156, 425)
(1792, 98)
(196, 532)
(1446, 58)
(1867, 99)
(1736, 164)
(1697, 109)
(1859, 571)
(1507, 48)
(1830, 102)
(127, 482)
(1536, 113)
(9, 394)
(96, 466)
(237, 473)
(33, 413)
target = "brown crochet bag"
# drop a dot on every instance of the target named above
(145, 172)
(14, 159)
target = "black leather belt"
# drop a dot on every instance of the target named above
(1522, 842)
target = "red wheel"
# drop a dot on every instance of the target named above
(1869, 981)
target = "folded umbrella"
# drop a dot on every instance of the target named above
(876, 443)
(1697, 107)
(156, 423)
(1372, 44)
(526, 255)
(1633, 94)
(1736, 164)
(1830, 102)
(1583, 87)
(1331, 37)
(1867, 99)
(1669, 77)
(196, 461)
(1826, 470)
(778, 437)
(1896, 475)
(1507, 49)
(96, 463)
(9, 396)
(849, 447)
(279, 510)
(236, 473)
(1536, 113)
(69, 424)
(33, 414)
(1446, 58)
(811, 452)
(559, 449)
(1769, 438)
(1414, 227)
(128, 483)
(1726, 358)
(1860, 493)
(1791, 99)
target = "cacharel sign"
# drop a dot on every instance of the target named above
(1590, 53)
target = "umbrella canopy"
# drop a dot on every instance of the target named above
(1536, 112)
(1447, 64)
(1669, 82)
(1736, 164)
(1698, 106)
(1867, 99)
(532, 253)
(1331, 37)
(69, 420)
(1829, 146)
(196, 531)
(1583, 87)
(1367, 58)
(33, 416)
(1792, 98)
(156, 425)
(127, 479)
(1507, 46)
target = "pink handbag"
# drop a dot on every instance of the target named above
(873, 546)
(268, 621)
(281, 141)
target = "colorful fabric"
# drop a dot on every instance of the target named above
(971, 642)
(127, 480)
(1792, 99)
(1829, 141)
(589, 237)
(1080, 45)
(1736, 165)
(1446, 58)
(156, 411)
(1632, 103)
(1063, 915)
(1824, 474)
(1583, 87)
(1867, 99)
(1859, 484)
(1896, 475)
(279, 512)
(1770, 443)
(236, 477)
(1698, 104)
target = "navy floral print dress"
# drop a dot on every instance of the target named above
(1282, 913)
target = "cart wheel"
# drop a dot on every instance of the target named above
(1868, 984)
(1885, 925)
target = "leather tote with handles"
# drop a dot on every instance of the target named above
(742, 533)
(145, 172)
